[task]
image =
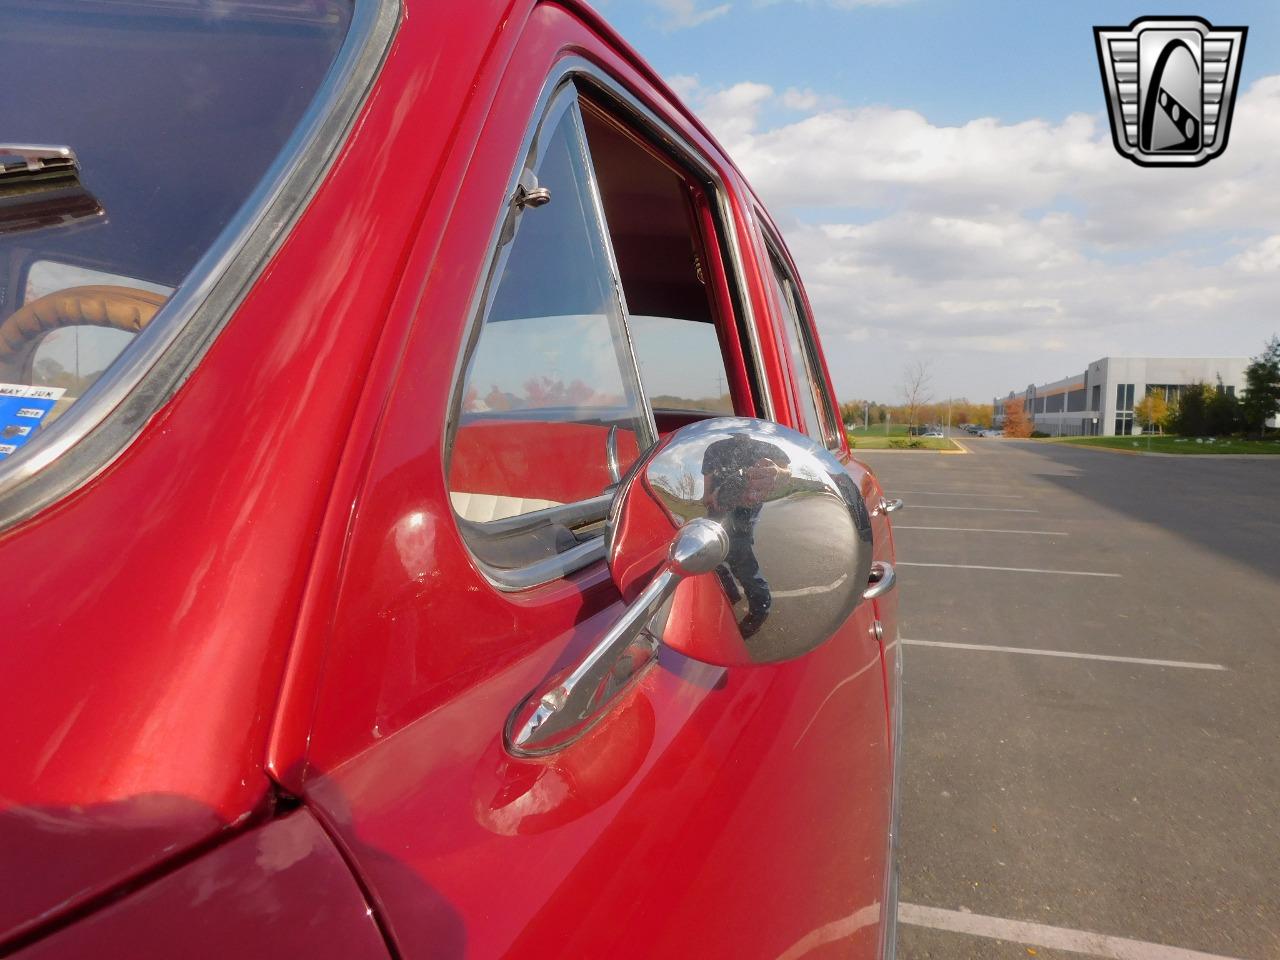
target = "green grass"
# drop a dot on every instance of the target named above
(873, 442)
(877, 430)
(1219, 445)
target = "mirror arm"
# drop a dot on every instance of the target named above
(553, 719)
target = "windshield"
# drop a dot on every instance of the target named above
(170, 113)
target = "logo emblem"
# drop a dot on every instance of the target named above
(1170, 85)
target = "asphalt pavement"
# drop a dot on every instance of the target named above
(1092, 693)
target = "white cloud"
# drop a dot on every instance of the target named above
(1030, 248)
(683, 14)
(794, 98)
(1263, 257)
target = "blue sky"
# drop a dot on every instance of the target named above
(949, 59)
(1083, 255)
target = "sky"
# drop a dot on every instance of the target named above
(943, 174)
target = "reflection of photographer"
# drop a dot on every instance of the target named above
(739, 473)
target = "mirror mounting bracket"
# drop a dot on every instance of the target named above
(550, 720)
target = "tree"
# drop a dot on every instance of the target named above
(1192, 418)
(916, 379)
(1262, 388)
(1016, 421)
(1222, 411)
(1151, 411)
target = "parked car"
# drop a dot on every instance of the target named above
(992, 433)
(427, 529)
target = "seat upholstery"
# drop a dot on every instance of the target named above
(484, 507)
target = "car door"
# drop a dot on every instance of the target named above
(708, 812)
(811, 390)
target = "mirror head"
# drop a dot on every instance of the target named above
(767, 529)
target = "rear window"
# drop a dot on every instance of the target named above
(172, 110)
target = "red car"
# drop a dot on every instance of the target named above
(425, 526)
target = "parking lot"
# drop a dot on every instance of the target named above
(1092, 686)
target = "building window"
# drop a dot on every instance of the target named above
(1096, 401)
(1124, 397)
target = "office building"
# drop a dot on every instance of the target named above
(1100, 401)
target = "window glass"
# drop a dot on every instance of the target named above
(70, 358)
(173, 111)
(1124, 396)
(681, 365)
(811, 400)
(551, 406)
(653, 229)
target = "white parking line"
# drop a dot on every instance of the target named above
(1038, 533)
(947, 506)
(941, 493)
(991, 648)
(978, 566)
(1042, 935)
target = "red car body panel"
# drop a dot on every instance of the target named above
(280, 890)
(156, 606)
(288, 599)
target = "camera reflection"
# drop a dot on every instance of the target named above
(740, 473)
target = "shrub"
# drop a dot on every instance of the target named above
(1039, 435)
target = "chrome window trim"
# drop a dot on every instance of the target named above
(544, 571)
(577, 70)
(769, 411)
(808, 337)
(557, 97)
(103, 423)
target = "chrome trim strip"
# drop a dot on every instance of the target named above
(544, 571)
(569, 70)
(99, 427)
(770, 411)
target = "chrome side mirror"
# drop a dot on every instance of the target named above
(735, 542)
(795, 530)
